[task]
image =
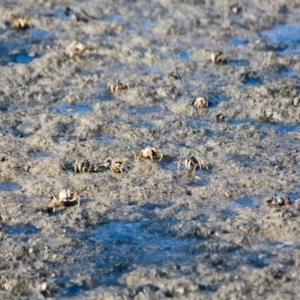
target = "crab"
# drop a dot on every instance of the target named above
(115, 164)
(149, 152)
(297, 204)
(65, 197)
(84, 166)
(218, 57)
(175, 74)
(236, 8)
(117, 86)
(279, 200)
(220, 117)
(200, 102)
(192, 163)
(77, 49)
(69, 12)
(20, 22)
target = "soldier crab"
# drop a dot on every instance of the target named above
(20, 22)
(279, 200)
(117, 86)
(149, 152)
(297, 204)
(192, 163)
(84, 166)
(115, 165)
(200, 102)
(77, 49)
(65, 197)
(218, 57)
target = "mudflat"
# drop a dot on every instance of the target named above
(93, 80)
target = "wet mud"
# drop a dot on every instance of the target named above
(153, 231)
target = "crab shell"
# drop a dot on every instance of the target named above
(21, 23)
(218, 57)
(297, 204)
(200, 102)
(189, 163)
(117, 87)
(279, 200)
(65, 197)
(149, 152)
(75, 48)
(84, 166)
(115, 165)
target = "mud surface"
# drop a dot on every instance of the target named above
(153, 232)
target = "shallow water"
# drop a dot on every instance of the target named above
(287, 35)
(22, 229)
(79, 108)
(23, 57)
(9, 186)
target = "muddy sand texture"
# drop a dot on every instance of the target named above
(153, 232)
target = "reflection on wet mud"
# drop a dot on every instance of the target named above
(23, 57)
(22, 229)
(238, 41)
(244, 202)
(79, 108)
(287, 35)
(9, 186)
(148, 109)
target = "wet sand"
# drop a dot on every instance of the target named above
(153, 231)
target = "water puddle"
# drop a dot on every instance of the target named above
(289, 51)
(287, 34)
(23, 57)
(289, 73)
(43, 154)
(79, 108)
(238, 63)
(252, 81)
(238, 42)
(108, 139)
(148, 109)
(185, 55)
(72, 290)
(38, 33)
(284, 34)
(244, 202)
(112, 18)
(171, 166)
(285, 128)
(9, 186)
(278, 245)
(148, 24)
(203, 182)
(146, 125)
(151, 69)
(137, 243)
(22, 229)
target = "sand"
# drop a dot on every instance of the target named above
(153, 231)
